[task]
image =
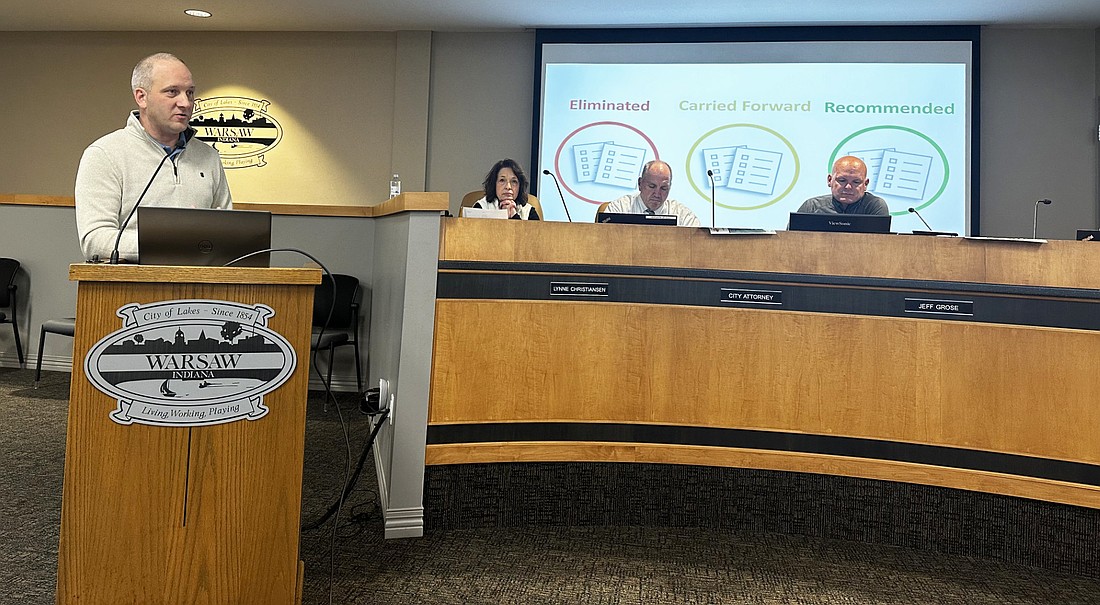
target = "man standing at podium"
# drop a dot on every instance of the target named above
(848, 182)
(154, 159)
(652, 196)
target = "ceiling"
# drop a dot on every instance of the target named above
(505, 15)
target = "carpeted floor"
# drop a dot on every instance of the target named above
(598, 565)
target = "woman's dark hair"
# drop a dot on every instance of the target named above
(490, 184)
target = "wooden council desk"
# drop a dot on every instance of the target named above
(806, 352)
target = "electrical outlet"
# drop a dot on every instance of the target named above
(377, 400)
(383, 394)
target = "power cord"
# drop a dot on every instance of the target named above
(329, 397)
(379, 422)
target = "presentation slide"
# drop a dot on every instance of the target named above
(767, 131)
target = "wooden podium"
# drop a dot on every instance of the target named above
(184, 514)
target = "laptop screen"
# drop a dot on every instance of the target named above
(202, 236)
(851, 223)
(636, 219)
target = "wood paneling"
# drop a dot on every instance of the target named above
(413, 200)
(409, 201)
(126, 273)
(1024, 487)
(168, 515)
(19, 199)
(910, 380)
(979, 387)
(1056, 263)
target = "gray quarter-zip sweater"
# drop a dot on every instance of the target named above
(115, 169)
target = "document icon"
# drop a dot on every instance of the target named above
(904, 174)
(754, 170)
(873, 159)
(586, 160)
(719, 161)
(620, 165)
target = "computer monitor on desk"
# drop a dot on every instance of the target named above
(850, 223)
(625, 218)
(202, 236)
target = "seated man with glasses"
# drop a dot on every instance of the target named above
(849, 192)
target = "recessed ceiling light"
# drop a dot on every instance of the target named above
(195, 12)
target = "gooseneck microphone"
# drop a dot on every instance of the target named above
(562, 197)
(122, 228)
(1035, 220)
(713, 220)
(929, 227)
(914, 211)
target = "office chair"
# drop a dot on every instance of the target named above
(602, 208)
(8, 268)
(343, 327)
(471, 197)
(534, 201)
(65, 327)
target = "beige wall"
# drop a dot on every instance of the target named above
(1038, 131)
(339, 97)
(439, 108)
(481, 107)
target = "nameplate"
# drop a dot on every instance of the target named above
(579, 289)
(935, 306)
(752, 297)
(470, 212)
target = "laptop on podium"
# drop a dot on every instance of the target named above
(202, 237)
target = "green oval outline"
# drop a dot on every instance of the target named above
(943, 158)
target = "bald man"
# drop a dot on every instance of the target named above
(116, 169)
(848, 183)
(652, 197)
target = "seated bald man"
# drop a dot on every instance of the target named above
(848, 182)
(652, 196)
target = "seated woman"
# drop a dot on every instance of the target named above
(506, 189)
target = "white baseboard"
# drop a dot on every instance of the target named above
(404, 522)
(50, 363)
(397, 522)
(54, 363)
(340, 383)
(11, 360)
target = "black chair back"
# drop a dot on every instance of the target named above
(346, 298)
(8, 268)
